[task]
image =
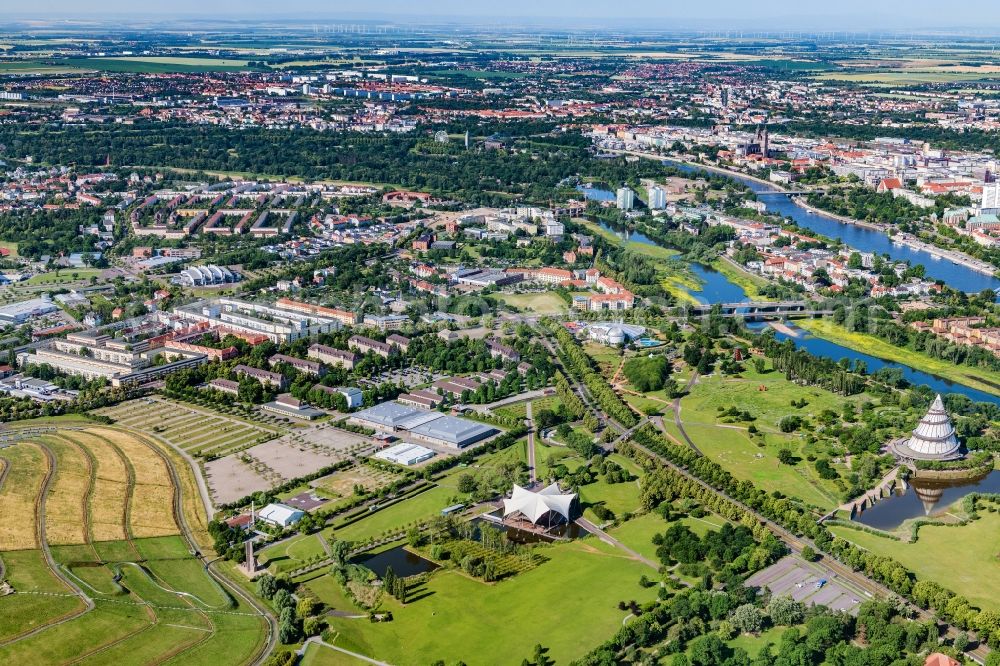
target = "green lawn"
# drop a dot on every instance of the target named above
(460, 618)
(320, 655)
(291, 554)
(425, 505)
(146, 626)
(730, 445)
(329, 591)
(962, 558)
(638, 533)
(545, 302)
(27, 572)
(754, 644)
(64, 276)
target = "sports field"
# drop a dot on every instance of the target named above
(91, 539)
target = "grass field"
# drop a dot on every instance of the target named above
(730, 444)
(980, 378)
(166, 610)
(66, 506)
(586, 576)
(64, 276)
(17, 497)
(962, 558)
(291, 554)
(545, 302)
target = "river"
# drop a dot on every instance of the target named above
(827, 349)
(717, 288)
(859, 237)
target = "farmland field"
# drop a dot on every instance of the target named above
(154, 65)
(121, 579)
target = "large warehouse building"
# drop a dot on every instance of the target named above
(423, 424)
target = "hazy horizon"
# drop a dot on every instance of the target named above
(774, 15)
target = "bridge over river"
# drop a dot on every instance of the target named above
(761, 309)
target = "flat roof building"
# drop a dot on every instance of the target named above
(429, 426)
(405, 454)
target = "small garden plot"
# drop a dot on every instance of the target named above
(343, 483)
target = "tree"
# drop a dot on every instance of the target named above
(784, 611)
(466, 483)
(288, 632)
(340, 551)
(267, 585)
(786, 457)
(283, 599)
(708, 650)
(747, 619)
(305, 607)
(808, 554)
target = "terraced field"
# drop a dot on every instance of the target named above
(92, 544)
(196, 430)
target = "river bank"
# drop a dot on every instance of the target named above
(801, 203)
(987, 381)
(958, 270)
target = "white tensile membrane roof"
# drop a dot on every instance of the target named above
(534, 505)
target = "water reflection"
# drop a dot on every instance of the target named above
(925, 497)
(403, 562)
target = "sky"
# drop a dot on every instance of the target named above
(816, 15)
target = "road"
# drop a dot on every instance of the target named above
(530, 422)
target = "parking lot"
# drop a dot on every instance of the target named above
(409, 376)
(800, 580)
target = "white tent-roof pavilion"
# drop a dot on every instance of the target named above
(933, 439)
(548, 502)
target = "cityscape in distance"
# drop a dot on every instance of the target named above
(536, 334)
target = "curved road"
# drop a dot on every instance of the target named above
(236, 590)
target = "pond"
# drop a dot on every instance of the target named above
(715, 287)
(924, 497)
(403, 562)
(595, 193)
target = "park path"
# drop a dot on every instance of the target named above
(316, 639)
(676, 405)
(531, 443)
(608, 539)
